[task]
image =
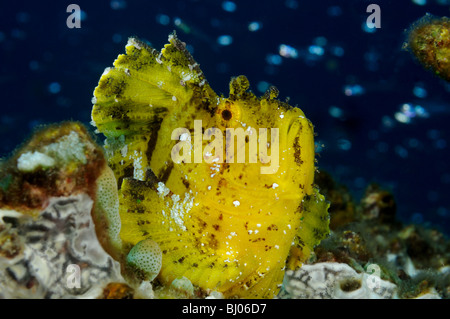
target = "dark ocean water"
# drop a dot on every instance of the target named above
(380, 117)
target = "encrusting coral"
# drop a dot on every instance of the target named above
(428, 40)
(58, 161)
(50, 189)
(404, 261)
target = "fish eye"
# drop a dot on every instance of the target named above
(226, 115)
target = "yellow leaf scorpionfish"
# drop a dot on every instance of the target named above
(222, 187)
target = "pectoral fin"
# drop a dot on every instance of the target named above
(313, 229)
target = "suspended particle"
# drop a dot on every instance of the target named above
(368, 27)
(34, 65)
(344, 144)
(336, 112)
(337, 51)
(225, 40)
(18, 34)
(420, 2)
(428, 40)
(118, 4)
(316, 50)
(229, 6)
(440, 144)
(353, 90)
(387, 121)
(83, 15)
(263, 86)
(320, 41)
(413, 143)
(54, 87)
(372, 59)
(291, 4)
(421, 111)
(23, 17)
(287, 51)
(334, 11)
(408, 112)
(181, 25)
(401, 151)
(254, 26)
(402, 118)
(433, 134)
(163, 19)
(117, 38)
(274, 59)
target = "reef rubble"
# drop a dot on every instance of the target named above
(370, 253)
(50, 190)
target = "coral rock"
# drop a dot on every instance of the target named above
(336, 281)
(59, 254)
(51, 191)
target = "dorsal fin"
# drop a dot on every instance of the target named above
(144, 88)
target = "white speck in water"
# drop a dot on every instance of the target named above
(225, 40)
(54, 87)
(229, 6)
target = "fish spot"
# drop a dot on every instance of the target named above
(226, 115)
(297, 151)
(213, 242)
